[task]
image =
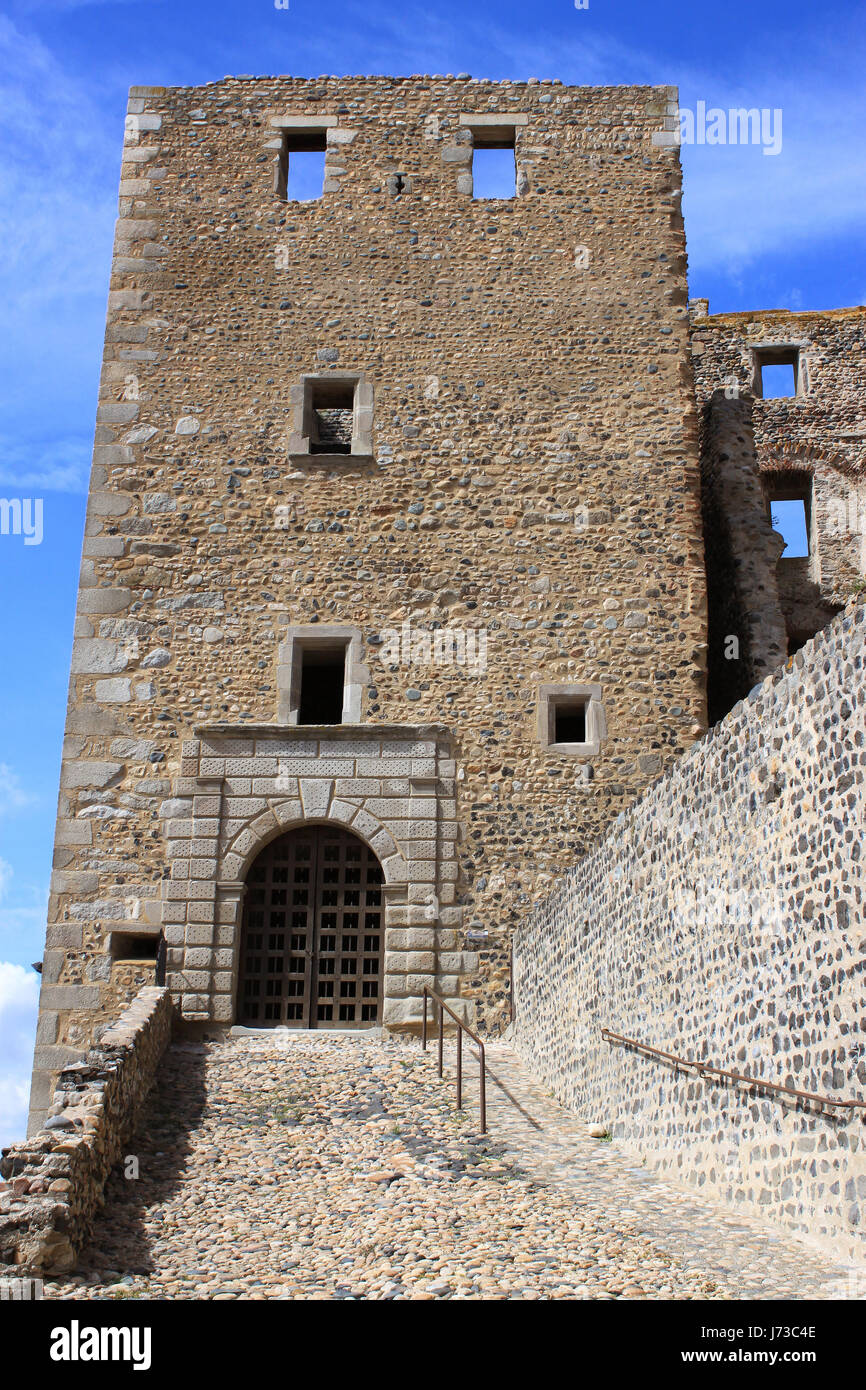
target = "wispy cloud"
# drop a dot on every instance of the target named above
(25, 7)
(62, 465)
(58, 170)
(741, 206)
(19, 996)
(12, 795)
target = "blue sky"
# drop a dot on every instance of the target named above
(763, 231)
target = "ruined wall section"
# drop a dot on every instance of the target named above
(533, 474)
(55, 1182)
(818, 434)
(721, 920)
(746, 633)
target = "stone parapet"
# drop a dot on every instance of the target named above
(54, 1181)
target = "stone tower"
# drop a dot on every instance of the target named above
(392, 593)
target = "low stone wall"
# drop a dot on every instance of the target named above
(55, 1180)
(722, 920)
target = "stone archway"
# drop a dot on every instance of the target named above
(313, 933)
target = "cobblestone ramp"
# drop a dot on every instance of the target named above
(335, 1166)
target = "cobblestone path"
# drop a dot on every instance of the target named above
(322, 1166)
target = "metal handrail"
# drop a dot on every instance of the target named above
(705, 1069)
(461, 1029)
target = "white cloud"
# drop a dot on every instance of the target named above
(58, 182)
(12, 795)
(741, 206)
(63, 465)
(34, 6)
(19, 996)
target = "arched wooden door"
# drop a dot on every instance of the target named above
(313, 938)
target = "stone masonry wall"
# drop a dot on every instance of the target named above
(55, 1180)
(722, 920)
(742, 555)
(817, 435)
(526, 468)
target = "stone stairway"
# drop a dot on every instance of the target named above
(316, 1165)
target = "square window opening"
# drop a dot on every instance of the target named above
(300, 173)
(778, 373)
(569, 721)
(323, 684)
(494, 164)
(332, 419)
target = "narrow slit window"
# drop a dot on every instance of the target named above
(569, 721)
(301, 167)
(323, 683)
(494, 167)
(778, 373)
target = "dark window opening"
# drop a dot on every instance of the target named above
(494, 166)
(300, 172)
(333, 417)
(127, 947)
(569, 722)
(778, 373)
(323, 680)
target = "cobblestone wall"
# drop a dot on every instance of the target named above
(755, 446)
(55, 1180)
(524, 469)
(722, 919)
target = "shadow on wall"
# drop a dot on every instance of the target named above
(151, 1171)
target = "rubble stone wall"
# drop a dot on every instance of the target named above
(55, 1180)
(722, 920)
(524, 471)
(813, 441)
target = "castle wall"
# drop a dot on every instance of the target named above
(746, 633)
(721, 920)
(524, 471)
(55, 1182)
(811, 443)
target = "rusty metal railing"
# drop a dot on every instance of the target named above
(461, 1029)
(705, 1069)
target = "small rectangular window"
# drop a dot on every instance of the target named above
(125, 946)
(571, 718)
(789, 496)
(494, 167)
(332, 419)
(300, 173)
(778, 373)
(789, 519)
(323, 684)
(569, 721)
